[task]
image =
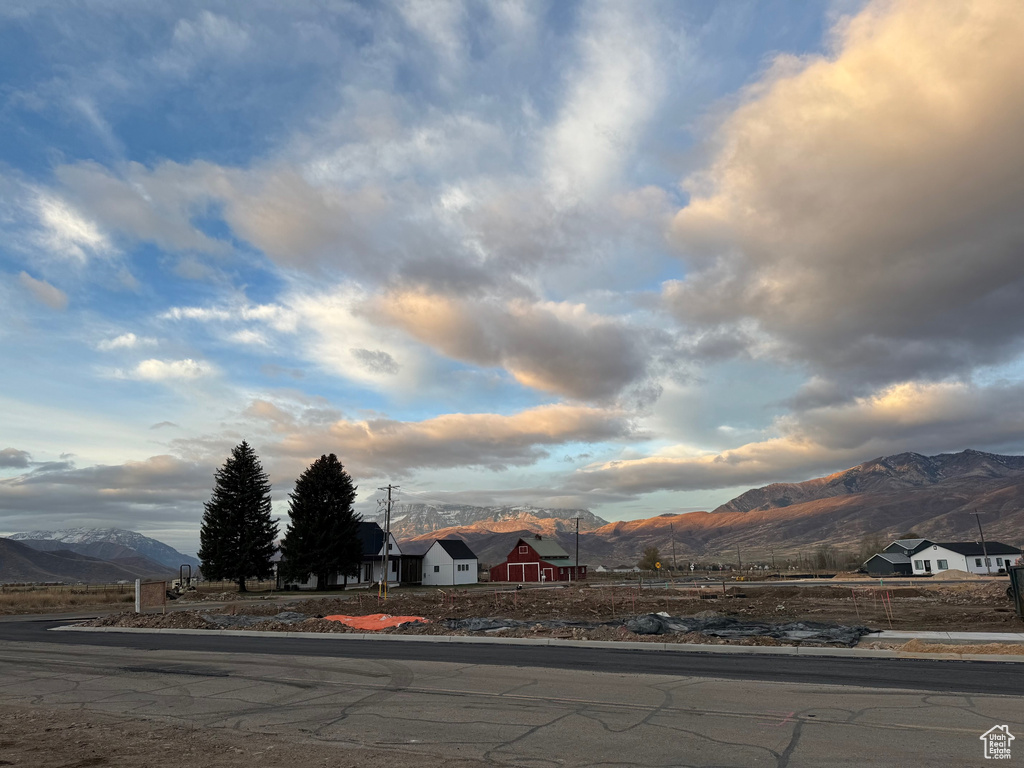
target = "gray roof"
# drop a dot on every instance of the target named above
(457, 549)
(416, 548)
(893, 557)
(910, 544)
(546, 548)
(974, 548)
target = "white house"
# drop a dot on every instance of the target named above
(449, 562)
(936, 557)
(371, 570)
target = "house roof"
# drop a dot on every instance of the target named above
(371, 538)
(974, 547)
(896, 558)
(416, 548)
(547, 548)
(909, 544)
(457, 549)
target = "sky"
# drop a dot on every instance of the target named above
(633, 257)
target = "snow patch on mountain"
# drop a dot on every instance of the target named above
(408, 520)
(143, 545)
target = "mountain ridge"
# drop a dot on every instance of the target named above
(142, 546)
(884, 497)
(409, 520)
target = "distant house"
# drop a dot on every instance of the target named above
(921, 557)
(449, 562)
(371, 570)
(888, 564)
(538, 560)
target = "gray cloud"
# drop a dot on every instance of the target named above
(856, 215)
(43, 292)
(376, 361)
(156, 493)
(925, 418)
(558, 348)
(12, 458)
(378, 447)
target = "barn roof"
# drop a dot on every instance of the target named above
(547, 548)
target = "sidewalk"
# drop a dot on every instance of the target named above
(970, 638)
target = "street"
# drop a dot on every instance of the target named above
(542, 706)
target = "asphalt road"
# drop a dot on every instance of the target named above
(918, 674)
(412, 704)
(317, 702)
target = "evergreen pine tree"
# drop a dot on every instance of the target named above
(237, 535)
(322, 537)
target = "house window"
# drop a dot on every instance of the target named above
(999, 561)
(524, 549)
(561, 571)
(918, 565)
(437, 569)
(977, 562)
(988, 562)
(943, 565)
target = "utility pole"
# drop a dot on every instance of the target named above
(577, 548)
(984, 550)
(672, 533)
(387, 538)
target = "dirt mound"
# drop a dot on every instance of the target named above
(173, 620)
(213, 597)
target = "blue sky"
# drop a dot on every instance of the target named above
(634, 257)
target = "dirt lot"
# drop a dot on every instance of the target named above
(977, 607)
(44, 737)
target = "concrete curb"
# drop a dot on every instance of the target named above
(772, 650)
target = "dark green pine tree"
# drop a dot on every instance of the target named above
(322, 537)
(237, 536)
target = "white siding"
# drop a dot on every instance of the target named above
(932, 554)
(439, 569)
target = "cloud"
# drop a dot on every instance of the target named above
(912, 416)
(168, 370)
(276, 316)
(67, 232)
(125, 341)
(381, 446)
(158, 490)
(863, 208)
(554, 347)
(208, 36)
(43, 292)
(612, 92)
(12, 458)
(376, 361)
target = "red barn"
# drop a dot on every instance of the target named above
(538, 559)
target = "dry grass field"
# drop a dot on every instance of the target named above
(56, 599)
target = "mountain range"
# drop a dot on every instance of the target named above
(107, 544)
(411, 520)
(934, 496)
(92, 555)
(21, 563)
